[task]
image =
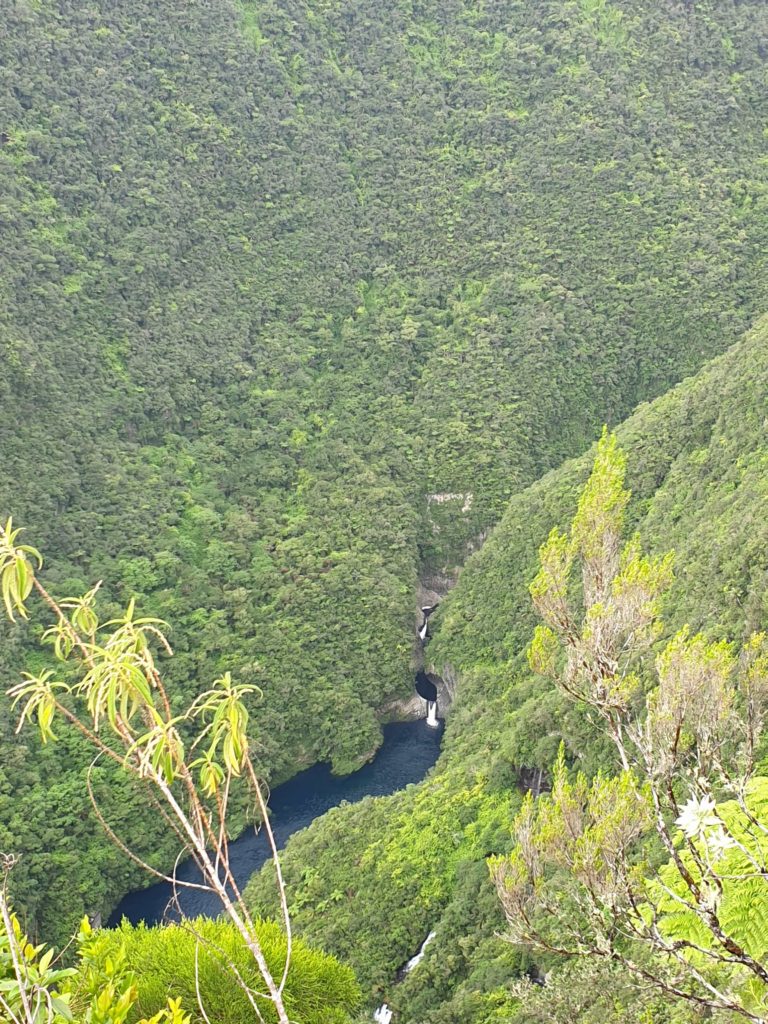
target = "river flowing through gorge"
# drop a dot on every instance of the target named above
(408, 752)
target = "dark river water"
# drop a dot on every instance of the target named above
(408, 752)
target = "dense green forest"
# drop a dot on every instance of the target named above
(272, 275)
(415, 862)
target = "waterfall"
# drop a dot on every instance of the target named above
(424, 685)
(415, 960)
(384, 1015)
(426, 611)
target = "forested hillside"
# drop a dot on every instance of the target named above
(416, 862)
(273, 274)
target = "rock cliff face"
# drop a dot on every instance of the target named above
(415, 707)
(403, 709)
(433, 587)
(447, 684)
(406, 709)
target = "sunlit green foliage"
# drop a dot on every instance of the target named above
(729, 859)
(163, 964)
(16, 569)
(150, 975)
(31, 983)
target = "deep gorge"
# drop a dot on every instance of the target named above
(301, 304)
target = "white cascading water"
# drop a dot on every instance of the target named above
(384, 1015)
(432, 714)
(415, 960)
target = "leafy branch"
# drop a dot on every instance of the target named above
(119, 703)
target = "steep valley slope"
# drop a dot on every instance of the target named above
(371, 880)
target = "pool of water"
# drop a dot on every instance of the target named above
(408, 752)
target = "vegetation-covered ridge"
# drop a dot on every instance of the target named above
(659, 866)
(276, 278)
(385, 872)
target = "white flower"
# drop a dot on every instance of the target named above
(697, 816)
(718, 842)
